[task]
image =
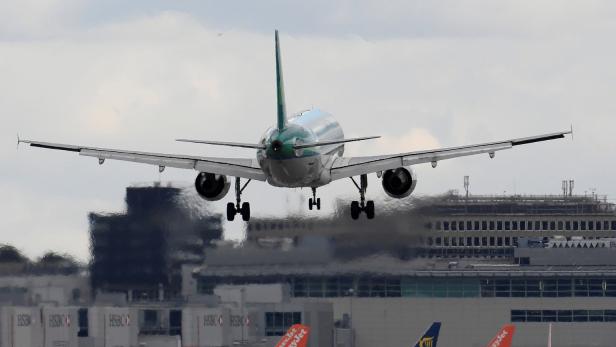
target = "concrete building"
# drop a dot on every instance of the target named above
(473, 263)
(252, 315)
(140, 252)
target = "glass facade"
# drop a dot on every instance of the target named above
(277, 323)
(508, 224)
(426, 287)
(549, 288)
(442, 288)
(537, 316)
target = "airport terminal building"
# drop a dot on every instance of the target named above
(473, 263)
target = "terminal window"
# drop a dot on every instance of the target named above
(277, 323)
(577, 316)
(549, 288)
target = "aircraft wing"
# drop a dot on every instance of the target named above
(244, 168)
(355, 166)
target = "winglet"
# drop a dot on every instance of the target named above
(281, 105)
(18, 141)
(571, 131)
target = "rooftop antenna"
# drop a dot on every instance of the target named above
(466, 185)
(571, 185)
(565, 188)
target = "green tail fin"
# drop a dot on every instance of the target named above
(282, 109)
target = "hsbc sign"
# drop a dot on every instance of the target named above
(119, 320)
(59, 320)
(24, 320)
(212, 320)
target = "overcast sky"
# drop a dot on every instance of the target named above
(422, 74)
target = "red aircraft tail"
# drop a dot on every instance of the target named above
(504, 337)
(296, 336)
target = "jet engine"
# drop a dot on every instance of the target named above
(399, 183)
(211, 187)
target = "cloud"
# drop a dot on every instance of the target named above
(36, 18)
(138, 80)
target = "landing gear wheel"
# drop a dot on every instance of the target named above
(358, 207)
(231, 212)
(238, 207)
(314, 201)
(370, 209)
(355, 210)
(245, 211)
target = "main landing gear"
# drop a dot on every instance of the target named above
(314, 201)
(238, 207)
(362, 205)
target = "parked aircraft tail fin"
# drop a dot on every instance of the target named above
(296, 336)
(504, 336)
(430, 337)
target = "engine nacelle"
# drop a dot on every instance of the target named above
(399, 183)
(211, 187)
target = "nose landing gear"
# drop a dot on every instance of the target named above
(314, 201)
(362, 205)
(238, 207)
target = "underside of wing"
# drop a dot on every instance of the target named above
(354, 166)
(244, 168)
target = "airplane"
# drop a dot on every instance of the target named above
(303, 150)
(296, 336)
(430, 337)
(504, 336)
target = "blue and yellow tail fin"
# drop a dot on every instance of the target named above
(430, 337)
(281, 105)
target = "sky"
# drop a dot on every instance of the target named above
(422, 74)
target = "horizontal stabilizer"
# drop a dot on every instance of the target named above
(228, 144)
(334, 142)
